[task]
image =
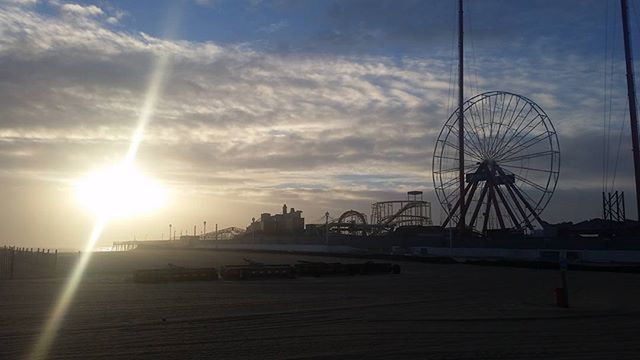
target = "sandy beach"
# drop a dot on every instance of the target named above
(433, 311)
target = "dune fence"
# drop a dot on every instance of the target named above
(19, 262)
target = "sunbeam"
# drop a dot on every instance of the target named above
(59, 311)
(56, 317)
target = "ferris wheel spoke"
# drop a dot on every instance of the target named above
(447, 184)
(472, 129)
(511, 122)
(528, 156)
(487, 123)
(515, 115)
(526, 131)
(482, 120)
(452, 199)
(454, 131)
(474, 147)
(471, 166)
(530, 183)
(466, 150)
(480, 114)
(528, 168)
(519, 120)
(514, 153)
(503, 113)
(493, 121)
(533, 204)
(468, 163)
(521, 127)
(520, 147)
(476, 131)
(452, 195)
(454, 159)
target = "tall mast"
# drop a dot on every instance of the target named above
(463, 210)
(631, 93)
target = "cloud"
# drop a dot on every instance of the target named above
(81, 10)
(208, 3)
(116, 15)
(254, 127)
(22, 2)
(274, 27)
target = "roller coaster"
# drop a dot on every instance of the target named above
(386, 216)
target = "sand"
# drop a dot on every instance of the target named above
(431, 311)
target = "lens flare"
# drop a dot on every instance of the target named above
(126, 180)
(55, 318)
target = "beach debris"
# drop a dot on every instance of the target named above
(255, 270)
(318, 268)
(175, 273)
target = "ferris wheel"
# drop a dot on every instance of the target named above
(511, 162)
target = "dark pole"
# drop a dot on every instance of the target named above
(631, 92)
(13, 260)
(463, 210)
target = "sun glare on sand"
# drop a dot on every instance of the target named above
(120, 191)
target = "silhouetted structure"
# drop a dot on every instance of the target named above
(290, 222)
(613, 208)
(27, 262)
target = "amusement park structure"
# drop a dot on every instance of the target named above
(385, 216)
(495, 167)
(511, 163)
(496, 161)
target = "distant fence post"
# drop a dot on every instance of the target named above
(11, 261)
(22, 261)
(55, 263)
(3, 261)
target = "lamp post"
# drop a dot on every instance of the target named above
(253, 228)
(326, 228)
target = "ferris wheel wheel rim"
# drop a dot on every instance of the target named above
(553, 174)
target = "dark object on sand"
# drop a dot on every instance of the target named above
(317, 269)
(255, 270)
(562, 293)
(175, 273)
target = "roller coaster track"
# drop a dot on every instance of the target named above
(386, 221)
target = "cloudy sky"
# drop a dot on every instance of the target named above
(323, 105)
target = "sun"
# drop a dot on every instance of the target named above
(119, 191)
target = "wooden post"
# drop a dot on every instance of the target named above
(564, 300)
(55, 262)
(13, 256)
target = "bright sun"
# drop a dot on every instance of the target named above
(119, 191)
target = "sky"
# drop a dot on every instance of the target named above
(322, 105)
